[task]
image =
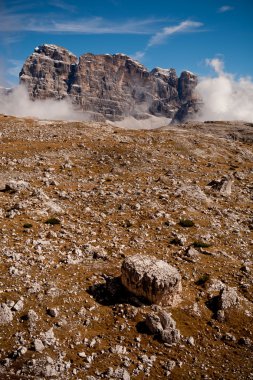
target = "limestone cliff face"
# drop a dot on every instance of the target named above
(45, 73)
(114, 86)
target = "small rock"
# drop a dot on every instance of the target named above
(153, 323)
(170, 336)
(32, 316)
(22, 350)
(52, 312)
(228, 298)
(229, 337)
(48, 337)
(245, 342)
(191, 341)
(5, 314)
(120, 350)
(18, 306)
(164, 326)
(38, 345)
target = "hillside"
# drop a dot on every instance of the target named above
(76, 199)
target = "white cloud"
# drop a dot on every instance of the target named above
(225, 8)
(12, 21)
(225, 97)
(19, 104)
(160, 37)
(184, 27)
(216, 64)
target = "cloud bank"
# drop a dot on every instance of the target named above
(225, 97)
(17, 103)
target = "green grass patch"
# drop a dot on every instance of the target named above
(53, 221)
(186, 223)
(201, 244)
(27, 225)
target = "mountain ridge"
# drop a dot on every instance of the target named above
(111, 86)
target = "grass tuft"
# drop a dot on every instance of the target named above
(27, 225)
(203, 279)
(186, 223)
(53, 221)
(200, 244)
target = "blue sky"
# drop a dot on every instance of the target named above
(181, 34)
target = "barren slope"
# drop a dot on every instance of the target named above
(116, 193)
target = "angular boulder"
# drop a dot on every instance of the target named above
(164, 326)
(153, 279)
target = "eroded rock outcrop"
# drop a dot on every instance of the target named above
(153, 279)
(114, 86)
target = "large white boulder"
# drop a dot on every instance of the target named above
(153, 279)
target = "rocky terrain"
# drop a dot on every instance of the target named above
(82, 202)
(108, 86)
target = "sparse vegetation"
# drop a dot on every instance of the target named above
(203, 279)
(201, 244)
(27, 225)
(176, 241)
(186, 223)
(53, 221)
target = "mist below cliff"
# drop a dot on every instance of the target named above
(17, 103)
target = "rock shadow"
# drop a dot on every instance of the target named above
(112, 292)
(142, 328)
(213, 305)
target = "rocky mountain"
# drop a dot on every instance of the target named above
(110, 86)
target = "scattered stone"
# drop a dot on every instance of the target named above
(120, 350)
(15, 186)
(48, 337)
(164, 326)
(18, 306)
(153, 279)
(191, 341)
(5, 314)
(228, 298)
(224, 185)
(245, 342)
(22, 350)
(229, 337)
(53, 312)
(32, 316)
(38, 345)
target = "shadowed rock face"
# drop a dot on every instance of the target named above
(114, 86)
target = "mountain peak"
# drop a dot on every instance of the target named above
(112, 86)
